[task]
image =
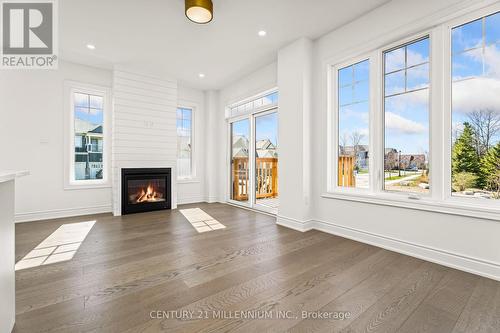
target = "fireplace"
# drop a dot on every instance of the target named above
(145, 190)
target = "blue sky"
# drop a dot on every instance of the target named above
(476, 57)
(476, 68)
(266, 127)
(89, 108)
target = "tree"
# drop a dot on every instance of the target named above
(343, 142)
(490, 168)
(356, 138)
(464, 155)
(486, 125)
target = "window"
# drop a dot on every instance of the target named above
(456, 119)
(353, 123)
(184, 142)
(88, 128)
(87, 136)
(267, 101)
(406, 114)
(475, 149)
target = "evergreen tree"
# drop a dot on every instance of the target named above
(490, 167)
(464, 155)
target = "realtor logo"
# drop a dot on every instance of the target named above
(28, 34)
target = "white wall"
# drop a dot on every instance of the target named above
(467, 243)
(31, 132)
(7, 257)
(294, 83)
(189, 191)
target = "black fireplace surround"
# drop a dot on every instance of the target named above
(146, 189)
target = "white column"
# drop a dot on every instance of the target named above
(294, 84)
(214, 146)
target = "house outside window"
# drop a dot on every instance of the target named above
(353, 110)
(87, 163)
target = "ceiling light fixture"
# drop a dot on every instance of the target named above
(199, 11)
(201, 75)
(262, 33)
(91, 46)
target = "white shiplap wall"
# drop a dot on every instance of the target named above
(144, 129)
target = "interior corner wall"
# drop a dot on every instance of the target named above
(294, 84)
(32, 131)
(214, 147)
(466, 243)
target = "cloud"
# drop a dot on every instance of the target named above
(481, 93)
(361, 115)
(408, 101)
(396, 60)
(398, 124)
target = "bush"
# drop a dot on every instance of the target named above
(493, 183)
(463, 181)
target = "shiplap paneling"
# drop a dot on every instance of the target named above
(144, 127)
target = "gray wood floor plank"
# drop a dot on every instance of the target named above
(131, 265)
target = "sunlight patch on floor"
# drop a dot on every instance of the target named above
(201, 221)
(59, 246)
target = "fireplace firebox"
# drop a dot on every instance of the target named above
(146, 189)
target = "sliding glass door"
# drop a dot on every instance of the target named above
(240, 176)
(254, 161)
(266, 161)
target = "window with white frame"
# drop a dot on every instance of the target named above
(184, 142)
(475, 162)
(406, 114)
(268, 100)
(88, 130)
(462, 103)
(353, 125)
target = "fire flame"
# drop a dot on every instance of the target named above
(148, 195)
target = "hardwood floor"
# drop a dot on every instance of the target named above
(131, 268)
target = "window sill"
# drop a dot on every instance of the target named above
(425, 204)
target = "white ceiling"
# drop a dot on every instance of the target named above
(155, 35)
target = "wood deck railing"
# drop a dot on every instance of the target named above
(346, 175)
(266, 178)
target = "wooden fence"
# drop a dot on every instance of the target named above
(346, 171)
(266, 178)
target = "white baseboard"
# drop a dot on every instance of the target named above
(295, 224)
(59, 213)
(461, 262)
(212, 199)
(190, 200)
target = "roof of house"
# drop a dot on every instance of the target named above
(83, 126)
(264, 144)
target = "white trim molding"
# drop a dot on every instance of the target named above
(454, 260)
(70, 88)
(60, 213)
(461, 262)
(295, 224)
